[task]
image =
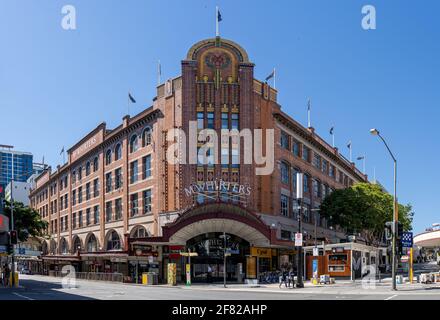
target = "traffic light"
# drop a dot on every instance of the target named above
(389, 230)
(399, 231)
(9, 249)
(13, 237)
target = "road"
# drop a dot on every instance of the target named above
(47, 288)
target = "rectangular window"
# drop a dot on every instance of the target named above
(108, 182)
(284, 205)
(331, 171)
(118, 178)
(284, 173)
(80, 197)
(317, 161)
(200, 120)
(306, 183)
(73, 197)
(147, 201)
(225, 120)
(134, 171)
(134, 203)
(96, 214)
(88, 216)
(295, 148)
(80, 218)
(108, 211)
(324, 166)
(306, 154)
(146, 164)
(235, 121)
(87, 191)
(211, 123)
(96, 188)
(118, 209)
(316, 188)
(74, 220)
(66, 201)
(284, 140)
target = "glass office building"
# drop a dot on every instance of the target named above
(23, 166)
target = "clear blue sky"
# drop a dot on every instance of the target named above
(57, 85)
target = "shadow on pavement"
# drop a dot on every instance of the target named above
(39, 290)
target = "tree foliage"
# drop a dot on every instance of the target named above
(27, 221)
(364, 208)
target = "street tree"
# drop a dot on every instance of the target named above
(364, 208)
(27, 221)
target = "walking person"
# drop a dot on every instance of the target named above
(6, 274)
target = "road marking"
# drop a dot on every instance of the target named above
(22, 296)
(389, 298)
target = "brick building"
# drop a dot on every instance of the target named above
(119, 205)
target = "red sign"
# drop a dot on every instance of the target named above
(4, 223)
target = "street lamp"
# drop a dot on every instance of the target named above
(376, 132)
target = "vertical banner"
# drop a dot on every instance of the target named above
(171, 274)
(188, 274)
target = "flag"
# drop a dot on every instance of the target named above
(131, 98)
(159, 69)
(361, 158)
(331, 130)
(219, 16)
(309, 104)
(349, 145)
(62, 150)
(271, 75)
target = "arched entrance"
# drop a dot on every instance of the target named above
(209, 264)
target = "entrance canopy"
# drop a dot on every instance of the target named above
(430, 239)
(218, 217)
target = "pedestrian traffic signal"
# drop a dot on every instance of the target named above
(389, 230)
(13, 237)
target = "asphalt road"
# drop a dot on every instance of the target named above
(46, 288)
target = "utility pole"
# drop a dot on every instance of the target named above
(299, 196)
(12, 225)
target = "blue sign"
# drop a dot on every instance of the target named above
(407, 240)
(22, 251)
(3, 249)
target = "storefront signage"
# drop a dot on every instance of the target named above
(221, 186)
(174, 252)
(298, 239)
(261, 252)
(144, 250)
(86, 146)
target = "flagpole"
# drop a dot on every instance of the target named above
(159, 73)
(308, 113)
(333, 139)
(274, 78)
(216, 22)
(128, 103)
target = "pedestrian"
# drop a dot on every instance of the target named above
(291, 279)
(209, 275)
(6, 273)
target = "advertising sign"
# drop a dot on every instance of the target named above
(298, 239)
(171, 274)
(315, 268)
(4, 223)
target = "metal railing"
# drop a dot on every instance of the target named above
(91, 276)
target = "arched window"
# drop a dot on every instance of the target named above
(79, 173)
(108, 157)
(146, 137)
(92, 244)
(87, 168)
(76, 245)
(133, 143)
(118, 152)
(139, 232)
(44, 248)
(95, 164)
(113, 241)
(53, 247)
(64, 246)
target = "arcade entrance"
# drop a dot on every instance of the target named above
(208, 266)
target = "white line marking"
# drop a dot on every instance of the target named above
(22, 296)
(389, 298)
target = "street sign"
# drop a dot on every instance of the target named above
(315, 251)
(298, 239)
(407, 239)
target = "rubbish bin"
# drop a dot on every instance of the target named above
(149, 278)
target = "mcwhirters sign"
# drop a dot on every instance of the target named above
(219, 189)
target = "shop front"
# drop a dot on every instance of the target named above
(143, 258)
